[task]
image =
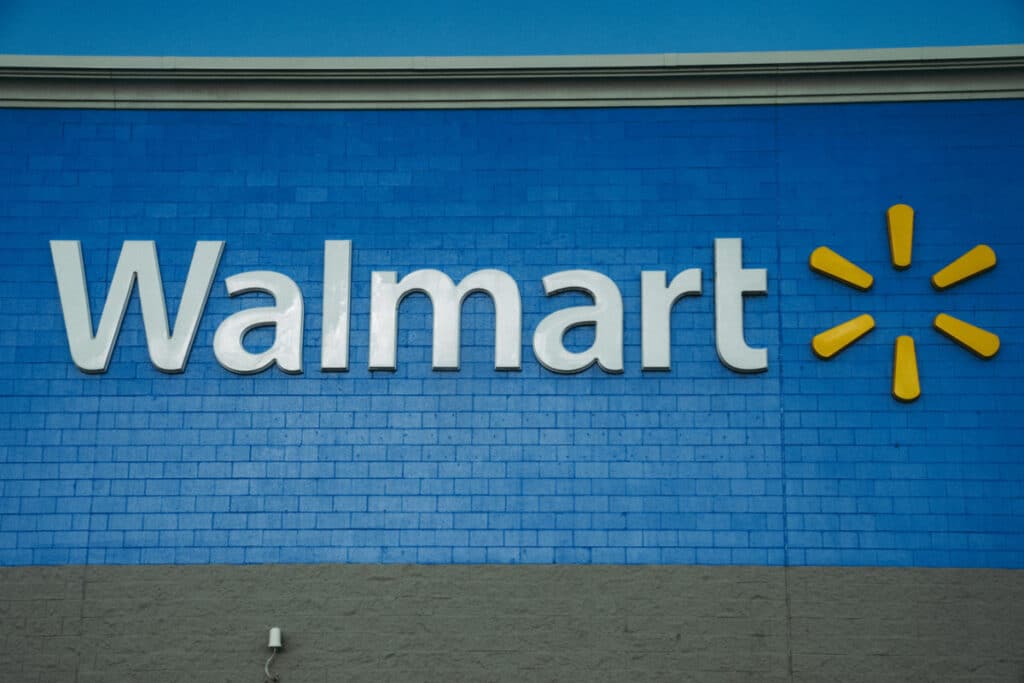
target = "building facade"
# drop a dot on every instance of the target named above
(226, 408)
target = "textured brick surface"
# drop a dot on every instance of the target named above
(809, 463)
(398, 622)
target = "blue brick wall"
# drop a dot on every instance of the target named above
(809, 463)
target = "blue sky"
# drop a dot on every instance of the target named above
(462, 27)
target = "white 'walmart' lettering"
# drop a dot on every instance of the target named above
(91, 351)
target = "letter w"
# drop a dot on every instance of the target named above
(169, 352)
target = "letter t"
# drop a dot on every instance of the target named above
(732, 281)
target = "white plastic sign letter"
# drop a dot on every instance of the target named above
(138, 261)
(605, 315)
(285, 317)
(657, 301)
(732, 281)
(337, 292)
(386, 296)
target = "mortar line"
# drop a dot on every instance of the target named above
(782, 410)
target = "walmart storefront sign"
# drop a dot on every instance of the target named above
(169, 349)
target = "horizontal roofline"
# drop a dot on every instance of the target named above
(892, 74)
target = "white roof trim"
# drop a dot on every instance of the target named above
(899, 74)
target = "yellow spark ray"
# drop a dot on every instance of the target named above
(832, 341)
(831, 264)
(974, 262)
(982, 342)
(906, 386)
(901, 234)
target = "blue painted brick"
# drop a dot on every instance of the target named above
(808, 463)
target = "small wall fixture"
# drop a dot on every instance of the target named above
(274, 643)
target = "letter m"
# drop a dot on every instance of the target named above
(386, 295)
(137, 262)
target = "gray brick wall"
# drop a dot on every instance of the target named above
(401, 622)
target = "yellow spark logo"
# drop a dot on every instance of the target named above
(906, 385)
